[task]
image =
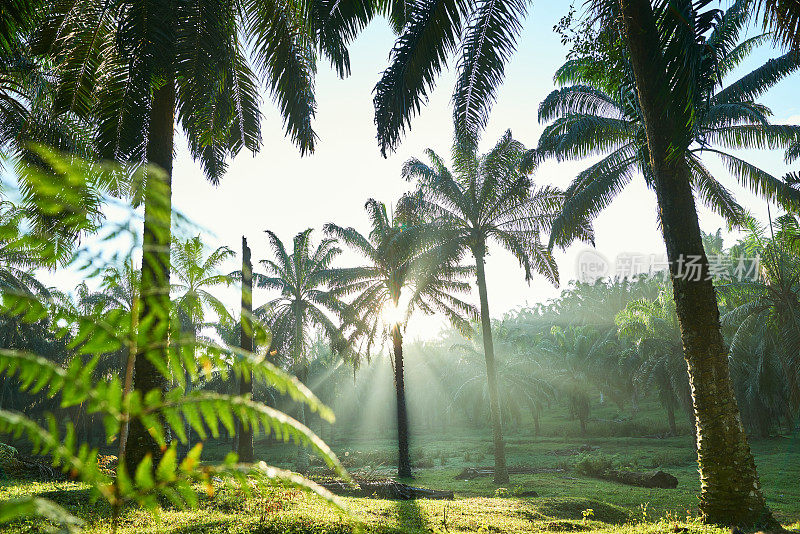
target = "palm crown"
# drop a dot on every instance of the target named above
(489, 197)
(194, 276)
(600, 115)
(111, 58)
(304, 302)
(401, 259)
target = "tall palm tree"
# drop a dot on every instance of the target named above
(652, 326)
(402, 264)
(489, 198)
(305, 303)
(667, 48)
(135, 67)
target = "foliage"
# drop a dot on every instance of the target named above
(596, 112)
(407, 271)
(92, 333)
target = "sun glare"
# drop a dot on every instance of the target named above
(393, 314)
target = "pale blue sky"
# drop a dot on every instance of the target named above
(279, 190)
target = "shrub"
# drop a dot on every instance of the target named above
(594, 464)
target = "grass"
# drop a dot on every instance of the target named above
(566, 501)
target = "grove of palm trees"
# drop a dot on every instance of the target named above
(560, 293)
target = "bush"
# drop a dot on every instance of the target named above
(594, 464)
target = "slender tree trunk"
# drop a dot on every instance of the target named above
(154, 332)
(500, 469)
(403, 456)
(302, 462)
(245, 445)
(673, 429)
(730, 489)
(536, 424)
(189, 386)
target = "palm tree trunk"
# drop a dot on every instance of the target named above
(245, 445)
(730, 489)
(403, 457)
(500, 469)
(302, 462)
(673, 429)
(154, 337)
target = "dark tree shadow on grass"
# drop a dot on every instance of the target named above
(409, 517)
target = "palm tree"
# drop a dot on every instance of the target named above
(489, 199)
(121, 286)
(669, 80)
(195, 275)
(402, 263)
(135, 67)
(652, 325)
(304, 304)
(579, 352)
(18, 256)
(521, 381)
(597, 115)
(762, 315)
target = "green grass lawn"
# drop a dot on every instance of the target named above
(562, 505)
(480, 506)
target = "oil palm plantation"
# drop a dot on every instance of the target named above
(133, 68)
(521, 381)
(762, 317)
(406, 272)
(305, 303)
(488, 199)
(652, 326)
(663, 41)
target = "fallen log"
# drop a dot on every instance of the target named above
(384, 489)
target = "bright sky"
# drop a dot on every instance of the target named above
(279, 190)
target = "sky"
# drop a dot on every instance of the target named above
(277, 189)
